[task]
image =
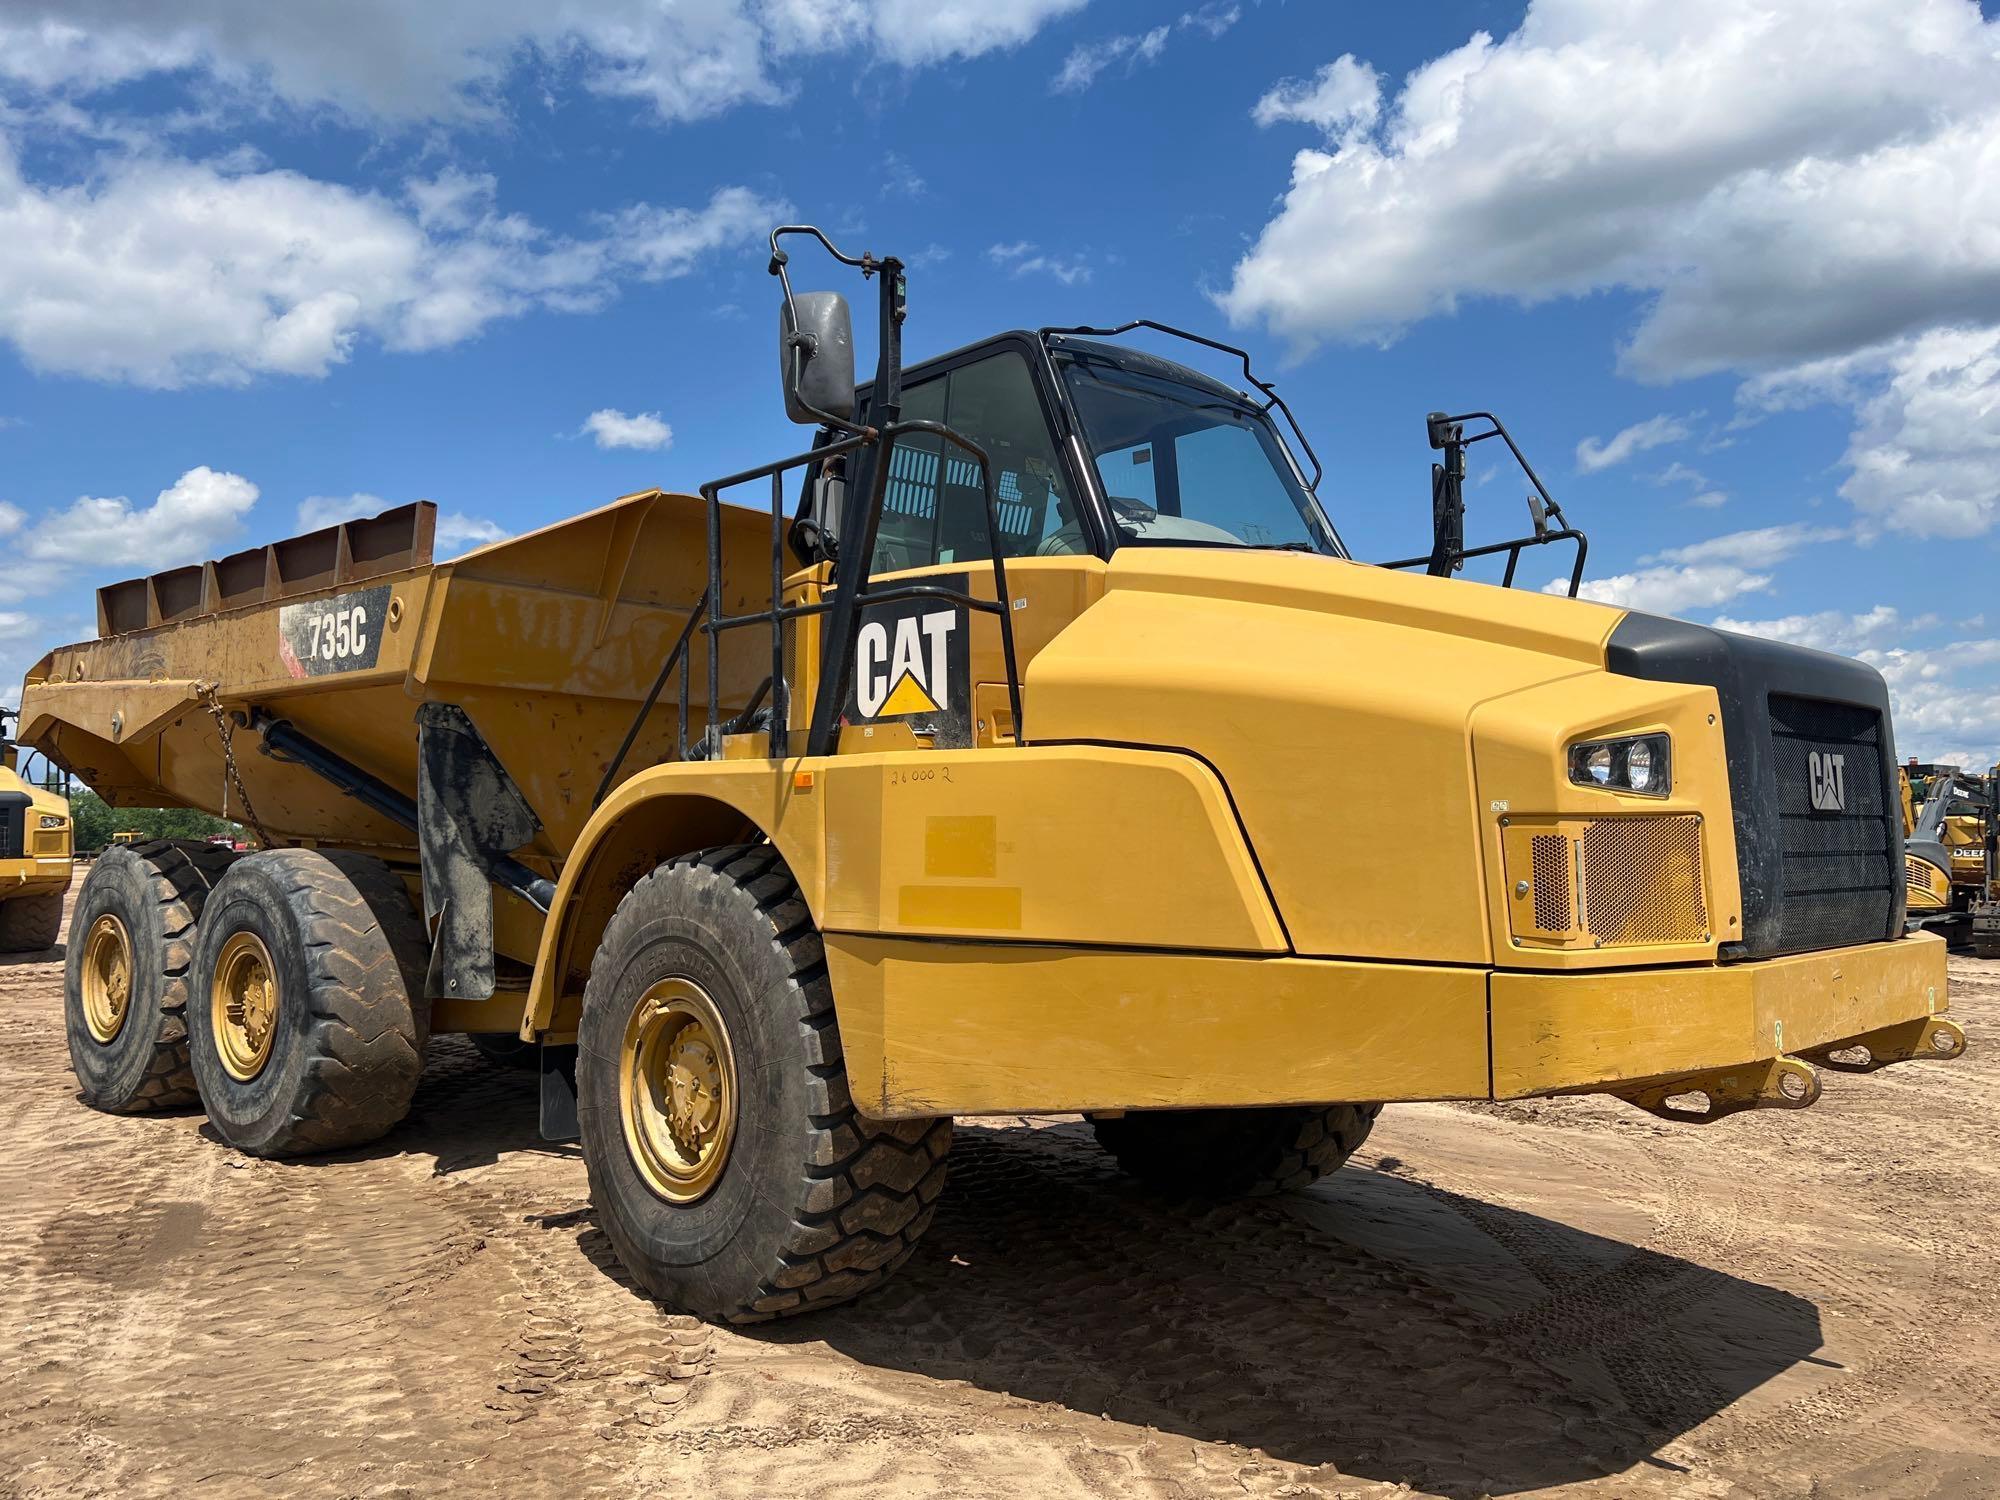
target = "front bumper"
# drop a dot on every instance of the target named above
(35, 875)
(979, 1028)
(1568, 1033)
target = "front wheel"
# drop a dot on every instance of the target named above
(1235, 1153)
(728, 1164)
(31, 924)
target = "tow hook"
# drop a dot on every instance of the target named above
(1771, 1083)
(1907, 1041)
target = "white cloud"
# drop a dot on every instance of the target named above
(1023, 258)
(1344, 95)
(11, 517)
(194, 518)
(1763, 547)
(1654, 432)
(1834, 630)
(1087, 60)
(1704, 574)
(1925, 453)
(1669, 590)
(1784, 182)
(317, 512)
(173, 273)
(398, 62)
(613, 429)
(456, 531)
(1708, 500)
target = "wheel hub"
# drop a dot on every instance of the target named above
(107, 977)
(243, 1005)
(677, 1088)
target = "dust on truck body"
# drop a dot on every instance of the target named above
(803, 829)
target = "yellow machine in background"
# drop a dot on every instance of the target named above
(1033, 762)
(35, 860)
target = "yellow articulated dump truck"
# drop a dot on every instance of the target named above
(1018, 748)
(35, 858)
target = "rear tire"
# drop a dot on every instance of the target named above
(804, 1202)
(307, 1020)
(127, 1031)
(1235, 1153)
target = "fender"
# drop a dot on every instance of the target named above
(659, 813)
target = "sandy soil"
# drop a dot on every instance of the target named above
(1566, 1297)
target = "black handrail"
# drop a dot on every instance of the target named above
(836, 661)
(1271, 396)
(1448, 550)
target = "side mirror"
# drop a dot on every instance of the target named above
(816, 357)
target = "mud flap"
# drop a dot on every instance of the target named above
(469, 813)
(559, 1117)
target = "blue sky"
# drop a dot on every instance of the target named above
(1731, 272)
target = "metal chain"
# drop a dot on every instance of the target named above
(228, 732)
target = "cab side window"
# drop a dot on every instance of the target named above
(934, 511)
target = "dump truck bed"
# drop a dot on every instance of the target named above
(548, 641)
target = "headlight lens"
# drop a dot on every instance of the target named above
(1641, 763)
(54, 820)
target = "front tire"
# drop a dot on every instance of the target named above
(307, 1020)
(1235, 1153)
(125, 976)
(728, 1164)
(31, 924)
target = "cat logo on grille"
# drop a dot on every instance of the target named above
(1826, 775)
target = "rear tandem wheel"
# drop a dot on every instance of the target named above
(125, 976)
(308, 1018)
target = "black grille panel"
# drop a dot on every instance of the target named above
(1840, 877)
(13, 835)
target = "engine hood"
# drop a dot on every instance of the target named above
(1336, 701)
(1574, 630)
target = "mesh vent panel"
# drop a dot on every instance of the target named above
(1550, 857)
(1642, 881)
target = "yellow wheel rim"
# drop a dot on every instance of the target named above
(107, 977)
(243, 1005)
(677, 1090)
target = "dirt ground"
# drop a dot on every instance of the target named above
(1564, 1297)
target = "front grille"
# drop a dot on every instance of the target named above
(13, 820)
(1838, 877)
(1642, 881)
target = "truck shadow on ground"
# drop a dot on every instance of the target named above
(1389, 1327)
(1399, 1332)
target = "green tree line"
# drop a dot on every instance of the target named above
(94, 821)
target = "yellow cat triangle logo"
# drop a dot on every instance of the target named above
(908, 697)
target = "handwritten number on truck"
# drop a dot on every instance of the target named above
(340, 634)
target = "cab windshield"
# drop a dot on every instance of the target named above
(1186, 464)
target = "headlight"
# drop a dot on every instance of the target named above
(54, 820)
(1641, 763)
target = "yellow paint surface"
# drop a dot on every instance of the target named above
(1318, 690)
(960, 1028)
(1570, 1031)
(1055, 844)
